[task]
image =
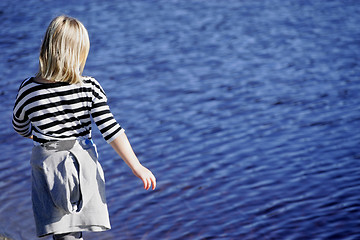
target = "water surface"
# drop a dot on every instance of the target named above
(246, 111)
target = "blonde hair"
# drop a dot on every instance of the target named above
(64, 50)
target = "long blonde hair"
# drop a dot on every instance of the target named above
(64, 50)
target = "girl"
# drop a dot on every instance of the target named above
(54, 109)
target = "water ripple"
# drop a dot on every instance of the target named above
(247, 113)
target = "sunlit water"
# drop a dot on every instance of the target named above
(246, 111)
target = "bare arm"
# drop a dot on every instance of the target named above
(122, 146)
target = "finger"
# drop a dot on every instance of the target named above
(153, 180)
(147, 184)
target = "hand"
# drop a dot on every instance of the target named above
(122, 146)
(31, 137)
(146, 176)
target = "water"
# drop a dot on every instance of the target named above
(246, 111)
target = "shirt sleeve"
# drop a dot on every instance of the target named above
(101, 114)
(20, 121)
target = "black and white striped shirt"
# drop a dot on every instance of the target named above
(61, 111)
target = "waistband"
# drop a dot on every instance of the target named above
(62, 145)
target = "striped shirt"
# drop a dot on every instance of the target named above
(63, 111)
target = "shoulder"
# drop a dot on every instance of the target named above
(27, 86)
(25, 82)
(94, 83)
(90, 80)
(26, 91)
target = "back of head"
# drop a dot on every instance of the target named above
(64, 50)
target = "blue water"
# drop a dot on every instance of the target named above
(246, 111)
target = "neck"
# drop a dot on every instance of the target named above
(42, 80)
